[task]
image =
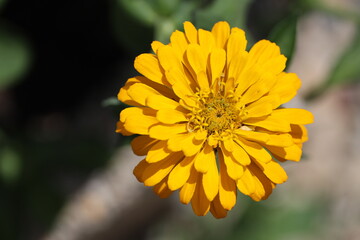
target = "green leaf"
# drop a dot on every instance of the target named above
(166, 7)
(284, 35)
(10, 165)
(231, 11)
(130, 31)
(14, 56)
(140, 10)
(166, 25)
(346, 70)
(163, 29)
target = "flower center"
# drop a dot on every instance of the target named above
(216, 114)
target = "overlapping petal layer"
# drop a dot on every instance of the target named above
(209, 117)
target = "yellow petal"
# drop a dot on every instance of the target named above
(155, 172)
(268, 80)
(148, 65)
(216, 209)
(229, 144)
(171, 116)
(191, 146)
(187, 191)
(262, 52)
(255, 150)
(123, 95)
(138, 92)
(273, 171)
(175, 142)
(212, 141)
(292, 153)
(251, 75)
(161, 189)
(180, 174)
(229, 86)
(253, 136)
(236, 66)
(294, 115)
(240, 155)
(197, 59)
(162, 89)
(276, 65)
(270, 123)
(139, 170)
(142, 144)
(234, 169)
(273, 100)
(138, 120)
(128, 112)
(217, 63)
(174, 69)
(165, 131)
(286, 86)
(236, 43)
(178, 43)
(254, 92)
(158, 152)
(200, 204)
(246, 183)
(206, 40)
(299, 133)
(202, 80)
(227, 187)
(142, 92)
(190, 32)
(201, 135)
(210, 179)
(160, 102)
(155, 45)
(263, 186)
(280, 140)
(259, 110)
(188, 102)
(259, 192)
(204, 159)
(169, 60)
(120, 129)
(221, 32)
(181, 87)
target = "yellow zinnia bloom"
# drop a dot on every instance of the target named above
(209, 117)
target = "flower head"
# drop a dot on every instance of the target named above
(209, 117)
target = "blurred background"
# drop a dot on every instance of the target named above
(66, 175)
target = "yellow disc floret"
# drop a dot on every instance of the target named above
(216, 113)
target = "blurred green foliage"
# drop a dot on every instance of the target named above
(14, 55)
(165, 16)
(345, 71)
(274, 221)
(10, 165)
(2, 2)
(266, 220)
(231, 11)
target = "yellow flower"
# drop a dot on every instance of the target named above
(209, 117)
